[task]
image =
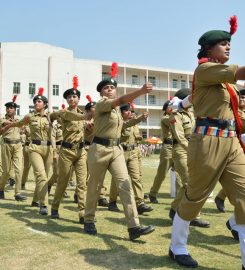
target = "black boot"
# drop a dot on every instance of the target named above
(43, 210)
(142, 208)
(75, 198)
(2, 197)
(81, 220)
(20, 198)
(103, 202)
(183, 260)
(197, 222)
(34, 204)
(90, 228)
(112, 206)
(11, 182)
(220, 204)
(136, 232)
(233, 232)
(153, 199)
(54, 214)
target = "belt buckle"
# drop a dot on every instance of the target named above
(43, 143)
(231, 125)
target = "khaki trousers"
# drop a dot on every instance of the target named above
(41, 159)
(212, 159)
(101, 159)
(26, 166)
(69, 158)
(11, 157)
(132, 163)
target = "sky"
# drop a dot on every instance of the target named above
(156, 33)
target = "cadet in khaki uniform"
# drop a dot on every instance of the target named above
(26, 139)
(129, 145)
(11, 151)
(215, 151)
(106, 154)
(40, 149)
(182, 124)
(88, 138)
(165, 155)
(72, 153)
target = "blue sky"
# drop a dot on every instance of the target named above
(157, 33)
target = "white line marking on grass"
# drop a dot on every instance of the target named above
(37, 231)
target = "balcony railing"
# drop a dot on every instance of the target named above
(156, 102)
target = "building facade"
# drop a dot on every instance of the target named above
(26, 66)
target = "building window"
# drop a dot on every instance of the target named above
(183, 84)
(135, 79)
(152, 80)
(16, 88)
(31, 108)
(105, 75)
(190, 84)
(32, 89)
(144, 134)
(18, 110)
(55, 89)
(55, 109)
(151, 99)
(175, 83)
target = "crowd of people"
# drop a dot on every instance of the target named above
(202, 141)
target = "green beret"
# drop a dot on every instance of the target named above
(71, 91)
(213, 37)
(89, 105)
(43, 98)
(125, 107)
(242, 92)
(182, 93)
(11, 104)
(105, 82)
(165, 105)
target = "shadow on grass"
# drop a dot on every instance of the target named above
(31, 217)
(119, 257)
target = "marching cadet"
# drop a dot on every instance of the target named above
(72, 153)
(40, 149)
(181, 125)
(215, 151)
(26, 139)
(88, 138)
(11, 150)
(165, 155)
(129, 145)
(221, 196)
(106, 154)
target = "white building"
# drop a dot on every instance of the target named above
(26, 66)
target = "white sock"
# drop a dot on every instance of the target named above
(180, 231)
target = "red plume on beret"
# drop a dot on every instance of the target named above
(40, 91)
(114, 70)
(132, 105)
(89, 98)
(75, 82)
(14, 98)
(233, 24)
(63, 106)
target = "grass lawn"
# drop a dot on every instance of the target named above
(30, 241)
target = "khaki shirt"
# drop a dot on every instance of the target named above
(14, 132)
(165, 127)
(107, 120)
(182, 124)
(128, 135)
(89, 134)
(211, 98)
(72, 124)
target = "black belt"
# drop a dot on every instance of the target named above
(11, 141)
(106, 142)
(72, 145)
(219, 123)
(129, 147)
(168, 141)
(38, 142)
(87, 143)
(58, 143)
